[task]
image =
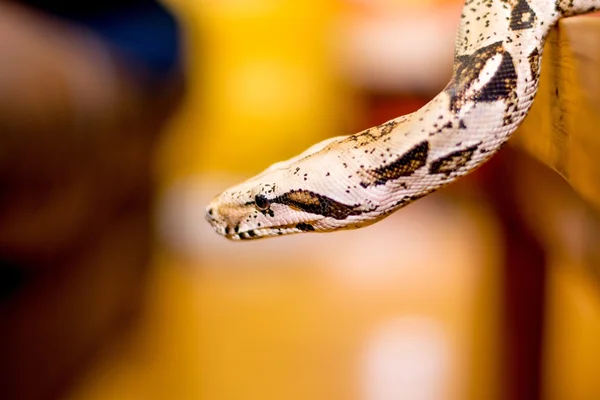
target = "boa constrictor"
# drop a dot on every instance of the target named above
(352, 181)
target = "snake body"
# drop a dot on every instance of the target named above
(352, 181)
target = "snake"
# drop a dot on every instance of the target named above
(349, 182)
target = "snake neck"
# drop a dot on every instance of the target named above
(498, 51)
(499, 45)
(495, 78)
(354, 181)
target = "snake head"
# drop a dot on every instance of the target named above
(260, 210)
(247, 211)
(327, 188)
(280, 202)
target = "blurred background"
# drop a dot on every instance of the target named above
(121, 120)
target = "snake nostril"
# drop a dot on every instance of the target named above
(209, 214)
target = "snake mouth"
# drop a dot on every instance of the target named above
(237, 231)
(262, 233)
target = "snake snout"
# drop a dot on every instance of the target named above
(212, 216)
(209, 213)
(219, 218)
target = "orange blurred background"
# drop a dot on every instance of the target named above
(411, 308)
(406, 309)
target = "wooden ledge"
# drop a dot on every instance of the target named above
(563, 127)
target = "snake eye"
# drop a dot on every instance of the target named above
(262, 203)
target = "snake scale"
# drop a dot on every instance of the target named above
(353, 181)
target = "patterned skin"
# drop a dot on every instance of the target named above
(353, 181)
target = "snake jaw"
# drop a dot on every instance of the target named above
(252, 226)
(263, 233)
(237, 218)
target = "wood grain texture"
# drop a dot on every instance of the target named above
(563, 128)
(563, 132)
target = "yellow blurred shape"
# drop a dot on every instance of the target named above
(158, 356)
(573, 346)
(262, 85)
(313, 316)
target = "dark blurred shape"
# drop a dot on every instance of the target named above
(12, 278)
(85, 88)
(141, 31)
(524, 281)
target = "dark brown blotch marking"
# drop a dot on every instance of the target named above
(372, 134)
(314, 203)
(503, 84)
(388, 127)
(534, 63)
(362, 138)
(522, 16)
(305, 227)
(268, 212)
(468, 69)
(404, 166)
(452, 162)
(563, 6)
(251, 234)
